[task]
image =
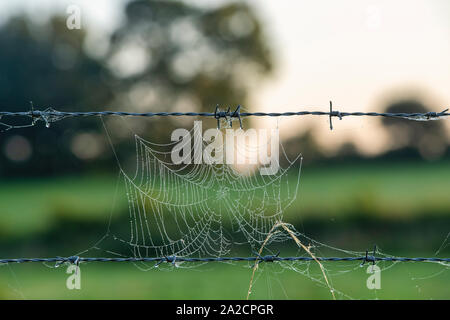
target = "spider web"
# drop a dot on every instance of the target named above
(214, 210)
(198, 209)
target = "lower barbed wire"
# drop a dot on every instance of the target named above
(266, 258)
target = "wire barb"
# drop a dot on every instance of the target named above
(169, 259)
(237, 114)
(228, 116)
(436, 115)
(75, 260)
(266, 258)
(334, 114)
(270, 258)
(371, 258)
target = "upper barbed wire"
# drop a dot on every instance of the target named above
(50, 115)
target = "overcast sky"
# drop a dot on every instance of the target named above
(354, 52)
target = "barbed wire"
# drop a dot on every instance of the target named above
(50, 115)
(267, 258)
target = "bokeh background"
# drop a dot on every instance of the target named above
(368, 181)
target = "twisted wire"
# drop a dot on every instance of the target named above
(68, 114)
(51, 115)
(174, 259)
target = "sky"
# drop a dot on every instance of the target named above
(357, 53)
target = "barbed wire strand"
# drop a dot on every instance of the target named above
(267, 258)
(50, 115)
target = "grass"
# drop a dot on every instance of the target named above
(388, 190)
(220, 281)
(29, 208)
(385, 190)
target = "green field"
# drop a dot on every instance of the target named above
(385, 190)
(404, 206)
(218, 281)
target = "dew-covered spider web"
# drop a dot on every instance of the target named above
(188, 210)
(188, 206)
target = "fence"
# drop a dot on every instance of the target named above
(267, 258)
(50, 115)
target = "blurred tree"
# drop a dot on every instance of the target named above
(170, 55)
(47, 64)
(428, 137)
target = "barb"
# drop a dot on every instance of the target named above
(170, 259)
(333, 114)
(50, 115)
(228, 116)
(371, 258)
(259, 258)
(266, 258)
